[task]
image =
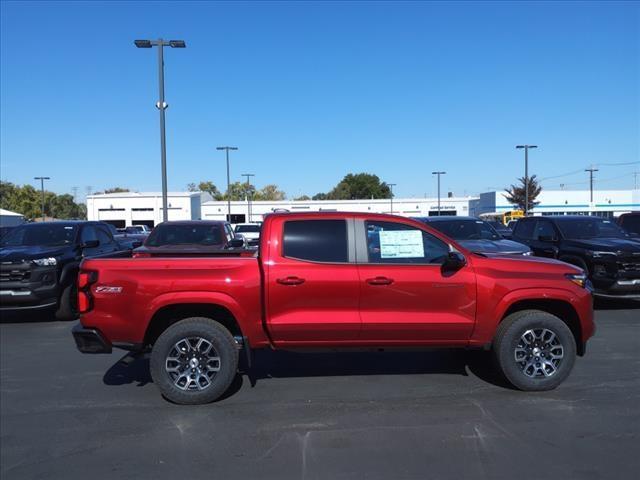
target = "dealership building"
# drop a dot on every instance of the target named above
(606, 203)
(139, 208)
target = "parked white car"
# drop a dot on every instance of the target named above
(250, 231)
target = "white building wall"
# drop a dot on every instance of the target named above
(137, 208)
(553, 202)
(408, 207)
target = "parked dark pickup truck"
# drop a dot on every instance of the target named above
(39, 264)
(608, 254)
(334, 280)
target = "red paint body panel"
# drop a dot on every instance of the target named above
(303, 303)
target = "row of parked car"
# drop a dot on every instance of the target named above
(39, 262)
(608, 251)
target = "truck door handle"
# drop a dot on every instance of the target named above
(380, 281)
(290, 281)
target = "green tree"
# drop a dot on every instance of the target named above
(113, 190)
(516, 193)
(211, 189)
(27, 201)
(269, 192)
(319, 196)
(302, 198)
(359, 186)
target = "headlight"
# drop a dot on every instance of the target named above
(598, 254)
(528, 254)
(579, 279)
(45, 262)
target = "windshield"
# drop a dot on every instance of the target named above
(185, 234)
(45, 235)
(248, 229)
(590, 227)
(466, 229)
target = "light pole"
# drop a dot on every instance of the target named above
(162, 105)
(249, 193)
(391, 185)
(526, 175)
(438, 174)
(42, 179)
(591, 170)
(228, 181)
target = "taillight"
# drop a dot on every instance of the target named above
(85, 280)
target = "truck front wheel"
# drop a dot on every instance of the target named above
(534, 350)
(194, 361)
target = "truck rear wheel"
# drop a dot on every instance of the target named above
(194, 361)
(534, 350)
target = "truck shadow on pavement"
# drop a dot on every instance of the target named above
(266, 364)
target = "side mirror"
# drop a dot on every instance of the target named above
(91, 244)
(454, 261)
(547, 238)
(236, 243)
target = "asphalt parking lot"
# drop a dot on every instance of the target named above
(374, 415)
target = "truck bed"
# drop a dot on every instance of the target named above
(143, 286)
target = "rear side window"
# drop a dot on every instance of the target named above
(524, 229)
(316, 240)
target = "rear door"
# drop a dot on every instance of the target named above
(312, 281)
(407, 296)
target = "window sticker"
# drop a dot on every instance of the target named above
(401, 244)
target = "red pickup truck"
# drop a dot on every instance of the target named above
(334, 280)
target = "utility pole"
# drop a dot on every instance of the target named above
(162, 106)
(635, 180)
(75, 194)
(228, 181)
(438, 174)
(249, 193)
(526, 175)
(591, 170)
(42, 179)
(391, 185)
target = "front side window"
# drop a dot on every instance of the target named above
(316, 240)
(525, 229)
(544, 229)
(89, 234)
(390, 242)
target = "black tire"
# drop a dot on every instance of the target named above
(68, 303)
(194, 391)
(511, 343)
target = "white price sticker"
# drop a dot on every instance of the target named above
(401, 244)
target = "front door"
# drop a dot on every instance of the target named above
(312, 282)
(407, 296)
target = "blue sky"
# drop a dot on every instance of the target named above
(312, 91)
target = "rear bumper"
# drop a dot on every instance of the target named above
(90, 340)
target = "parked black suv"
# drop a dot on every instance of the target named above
(39, 263)
(609, 255)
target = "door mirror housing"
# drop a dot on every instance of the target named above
(454, 261)
(236, 243)
(91, 244)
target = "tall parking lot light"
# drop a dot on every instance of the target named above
(249, 193)
(526, 175)
(228, 181)
(162, 105)
(438, 174)
(42, 179)
(391, 185)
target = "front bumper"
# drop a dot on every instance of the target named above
(26, 287)
(624, 289)
(90, 340)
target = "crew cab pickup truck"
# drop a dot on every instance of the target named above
(335, 280)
